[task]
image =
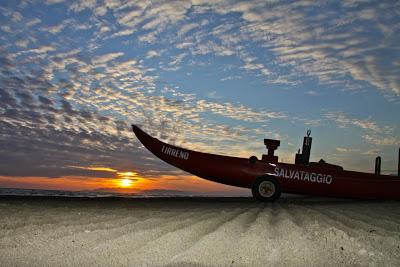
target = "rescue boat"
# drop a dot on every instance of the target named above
(268, 178)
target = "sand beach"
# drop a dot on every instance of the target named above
(294, 231)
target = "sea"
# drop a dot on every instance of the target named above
(101, 194)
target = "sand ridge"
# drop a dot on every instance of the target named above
(294, 231)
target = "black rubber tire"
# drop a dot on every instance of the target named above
(255, 190)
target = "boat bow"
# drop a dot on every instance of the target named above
(218, 168)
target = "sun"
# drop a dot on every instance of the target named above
(125, 182)
(128, 179)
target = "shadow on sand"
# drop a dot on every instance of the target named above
(185, 202)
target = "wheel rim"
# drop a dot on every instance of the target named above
(266, 189)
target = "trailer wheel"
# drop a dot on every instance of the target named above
(266, 188)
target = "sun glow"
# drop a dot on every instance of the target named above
(125, 182)
(122, 182)
(127, 179)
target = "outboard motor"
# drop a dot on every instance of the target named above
(304, 157)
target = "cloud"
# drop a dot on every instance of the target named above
(311, 93)
(343, 120)
(100, 11)
(106, 58)
(213, 95)
(72, 94)
(239, 112)
(291, 34)
(187, 28)
(41, 50)
(33, 22)
(315, 47)
(346, 149)
(106, 169)
(152, 53)
(22, 43)
(130, 18)
(16, 17)
(124, 32)
(372, 152)
(51, 2)
(373, 132)
(209, 47)
(381, 140)
(81, 5)
(53, 144)
(54, 29)
(177, 59)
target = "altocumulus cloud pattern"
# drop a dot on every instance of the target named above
(214, 76)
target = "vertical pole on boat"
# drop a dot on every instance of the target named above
(398, 165)
(307, 148)
(304, 157)
(378, 161)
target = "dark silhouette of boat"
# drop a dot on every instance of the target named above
(268, 178)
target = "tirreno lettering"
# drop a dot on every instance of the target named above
(175, 152)
(304, 176)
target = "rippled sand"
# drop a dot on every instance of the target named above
(198, 232)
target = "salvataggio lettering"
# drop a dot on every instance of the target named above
(304, 176)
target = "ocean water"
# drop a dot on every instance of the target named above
(60, 193)
(102, 194)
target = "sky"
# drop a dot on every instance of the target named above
(212, 76)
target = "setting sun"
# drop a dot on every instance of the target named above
(126, 179)
(125, 182)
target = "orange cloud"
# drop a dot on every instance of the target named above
(104, 169)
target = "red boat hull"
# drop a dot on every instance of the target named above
(298, 179)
